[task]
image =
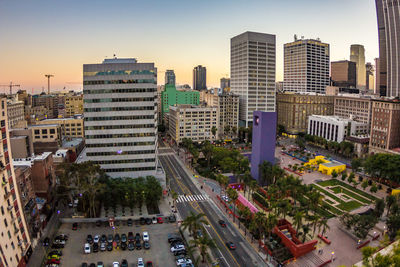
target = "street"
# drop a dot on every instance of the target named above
(181, 183)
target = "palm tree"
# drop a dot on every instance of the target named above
(306, 229)
(323, 224)
(390, 200)
(270, 223)
(245, 214)
(315, 220)
(174, 196)
(298, 220)
(193, 223)
(259, 221)
(253, 185)
(233, 195)
(223, 181)
(214, 131)
(203, 243)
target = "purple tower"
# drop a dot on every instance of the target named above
(264, 139)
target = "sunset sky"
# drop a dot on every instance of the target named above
(57, 37)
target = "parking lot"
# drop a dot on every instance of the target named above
(159, 252)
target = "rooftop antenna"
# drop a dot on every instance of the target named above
(295, 37)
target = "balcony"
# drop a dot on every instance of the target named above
(6, 195)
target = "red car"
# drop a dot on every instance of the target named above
(149, 264)
(75, 226)
(160, 220)
(230, 245)
(53, 261)
(222, 223)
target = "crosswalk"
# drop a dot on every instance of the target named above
(191, 198)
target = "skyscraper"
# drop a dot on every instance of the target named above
(357, 55)
(343, 73)
(199, 78)
(389, 47)
(225, 83)
(253, 60)
(170, 77)
(120, 110)
(306, 66)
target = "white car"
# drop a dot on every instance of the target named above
(140, 262)
(177, 248)
(87, 248)
(115, 264)
(183, 261)
(154, 220)
(96, 239)
(226, 198)
(146, 236)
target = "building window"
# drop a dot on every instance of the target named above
(52, 131)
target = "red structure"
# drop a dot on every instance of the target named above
(288, 235)
(237, 186)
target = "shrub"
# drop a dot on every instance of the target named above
(259, 198)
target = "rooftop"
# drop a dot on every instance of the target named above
(43, 125)
(72, 143)
(29, 161)
(119, 60)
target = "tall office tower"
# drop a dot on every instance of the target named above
(389, 47)
(253, 61)
(225, 83)
(120, 110)
(343, 73)
(306, 66)
(199, 78)
(170, 77)
(369, 79)
(15, 241)
(357, 55)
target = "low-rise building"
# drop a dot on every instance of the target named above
(171, 96)
(295, 108)
(355, 107)
(73, 105)
(70, 127)
(361, 144)
(21, 143)
(334, 128)
(385, 126)
(192, 122)
(16, 113)
(38, 113)
(46, 137)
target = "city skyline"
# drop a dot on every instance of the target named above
(63, 36)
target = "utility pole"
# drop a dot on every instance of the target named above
(48, 76)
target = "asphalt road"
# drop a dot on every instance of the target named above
(244, 255)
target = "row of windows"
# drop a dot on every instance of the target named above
(108, 127)
(121, 144)
(130, 169)
(138, 152)
(123, 161)
(117, 109)
(111, 91)
(44, 131)
(139, 117)
(106, 100)
(105, 136)
(117, 72)
(119, 81)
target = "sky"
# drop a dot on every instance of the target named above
(57, 37)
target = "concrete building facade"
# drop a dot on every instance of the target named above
(357, 55)
(15, 241)
(171, 96)
(306, 66)
(334, 128)
(120, 110)
(385, 126)
(389, 47)
(70, 127)
(192, 122)
(344, 73)
(73, 105)
(294, 110)
(370, 77)
(16, 113)
(253, 63)
(355, 107)
(225, 84)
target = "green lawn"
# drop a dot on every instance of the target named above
(351, 205)
(347, 206)
(333, 210)
(347, 193)
(329, 201)
(332, 182)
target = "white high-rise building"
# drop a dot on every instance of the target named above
(306, 66)
(253, 61)
(120, 110)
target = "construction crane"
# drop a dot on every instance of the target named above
(11, 85)
(48, 76)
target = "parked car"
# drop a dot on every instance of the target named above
(100, 264)
(92, 265)
(95, 247)
(172, 237)
(89, 239)
(96, 239)
(62, 237)
(160, 220)
(110, 238)
(148, 221)
(172, 218)
(183, 261)
(84, 264)
(176, 242)
(146, 245)
(222, 223)
(75, 226)
(142, 221)
(140, 262)
(177, 247)
(124, 263)
(103, 238)
(115, 264)
(146, 236)
(53, 256)
(138, 244)
(226, 198)
(129, 222)
(124, 246)
(131, 246)
(130, 237)
(149, 264)
(55, 252)
(180, 252)
(109, 246)
(103, 246)
(117, 238)
(137, 237)
(87, 248)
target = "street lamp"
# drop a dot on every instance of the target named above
(332, 256)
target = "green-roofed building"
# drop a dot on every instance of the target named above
(170, 97)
